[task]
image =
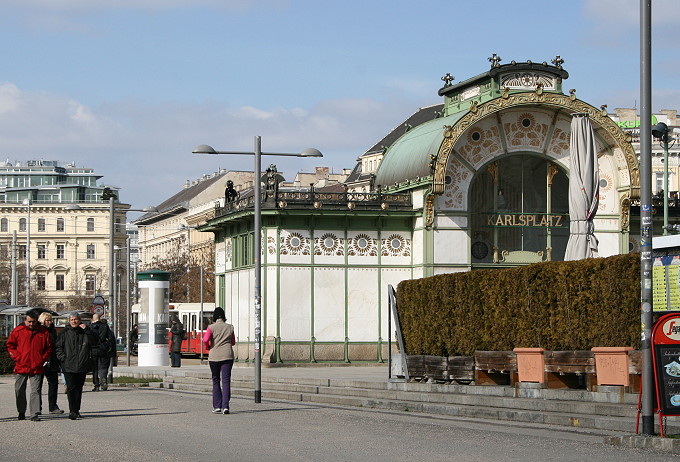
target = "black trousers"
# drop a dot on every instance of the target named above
(100, 370)
(175, 359)
(52, 389)
(74, 385)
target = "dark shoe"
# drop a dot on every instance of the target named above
(78, 415)
(225, 411)
(35, 418)
(57, 411)
(95, 389)
(22, 416)
(72, 416)
(38, 413)
(105, 387)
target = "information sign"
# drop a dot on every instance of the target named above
(666, 352)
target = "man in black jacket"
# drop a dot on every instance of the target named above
(101, 357)
(74, 348)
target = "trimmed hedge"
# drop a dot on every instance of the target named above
(572, 305)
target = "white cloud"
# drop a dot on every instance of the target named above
(146, 149)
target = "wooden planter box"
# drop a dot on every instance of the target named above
(495, 368)
(530, 365)
(612, 365)
(570, 369)
(441, 368)
(461, 369)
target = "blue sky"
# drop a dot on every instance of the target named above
(129, 87)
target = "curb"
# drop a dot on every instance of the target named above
(656, 443)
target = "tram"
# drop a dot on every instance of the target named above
(194, 319)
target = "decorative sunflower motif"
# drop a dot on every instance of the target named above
(396, 245)
(362, 245)
(294, 244)
(328, 244)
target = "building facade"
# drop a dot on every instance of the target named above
(54, 222)
(478, 182)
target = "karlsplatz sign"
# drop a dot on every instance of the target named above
(524, 220)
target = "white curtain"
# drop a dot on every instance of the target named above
(584, 179)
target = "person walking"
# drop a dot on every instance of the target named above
(74, 348)
(219, 338)
(52, 370)
(178, 334)
(30, 347)
(101, 357)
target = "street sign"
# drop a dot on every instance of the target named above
(98, 304)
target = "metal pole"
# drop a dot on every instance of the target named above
(647, 319)
(258, 269)
(201, 339)
(112, 280)
(15, 280)
(664, 142)
(127, 303)
(28, 251)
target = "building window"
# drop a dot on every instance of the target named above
(90, 251)
(90, 280)
(3, 225)
(3, 252)
(41, 251)
(60, 224)
(60, 282)
(40, 282)
(243, 250)
(90, 224)
(60, 250)
(22, 225)
(41, 224)
(22, 251)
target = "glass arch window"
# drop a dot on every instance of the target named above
(519, 211)
(90, 224)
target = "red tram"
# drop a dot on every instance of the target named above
(195, 321)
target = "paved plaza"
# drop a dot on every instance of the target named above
(151, 424)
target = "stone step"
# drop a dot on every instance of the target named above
(566, 415)
(503, 402)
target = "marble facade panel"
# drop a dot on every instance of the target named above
(329, 304)
(451, 247)
(295, 302)
(295, 246)
(362, 304)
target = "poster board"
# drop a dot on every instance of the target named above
(666, 358)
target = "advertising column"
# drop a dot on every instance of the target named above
(153, 317)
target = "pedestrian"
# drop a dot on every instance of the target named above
(219, 338)
(52, 370)
(74, 347)
(134, 338)
(30, 347)
(178, 334)
(101, 357)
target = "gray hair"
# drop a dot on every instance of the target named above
(74, 314)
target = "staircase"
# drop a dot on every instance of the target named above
(605, 410)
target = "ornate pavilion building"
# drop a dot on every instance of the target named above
(480, 181)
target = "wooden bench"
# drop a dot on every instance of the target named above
(441, 368)
(495, 368)
(570, 369)
(461, 369)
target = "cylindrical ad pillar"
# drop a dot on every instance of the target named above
(153, 318)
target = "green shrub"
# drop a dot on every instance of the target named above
(572, 305)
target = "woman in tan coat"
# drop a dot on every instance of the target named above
(219, 339)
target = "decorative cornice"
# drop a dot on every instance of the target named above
(453, 133)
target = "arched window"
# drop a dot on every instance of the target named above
(90, 224)
(520, 207)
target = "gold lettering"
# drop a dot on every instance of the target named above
(523, 220)
(559, 220)
(531, 220)
(544, 221)
(489, 220)
(499, 220)
(508, 220)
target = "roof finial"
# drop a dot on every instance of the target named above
(495, 60)
(448, 78)
(558, 61)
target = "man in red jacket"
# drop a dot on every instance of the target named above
(29, 345)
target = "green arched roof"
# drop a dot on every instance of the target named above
(410, 156)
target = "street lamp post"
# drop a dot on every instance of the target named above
(661, 132)
(257, 245)
(28, 250)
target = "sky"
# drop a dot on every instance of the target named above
(130, 87)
